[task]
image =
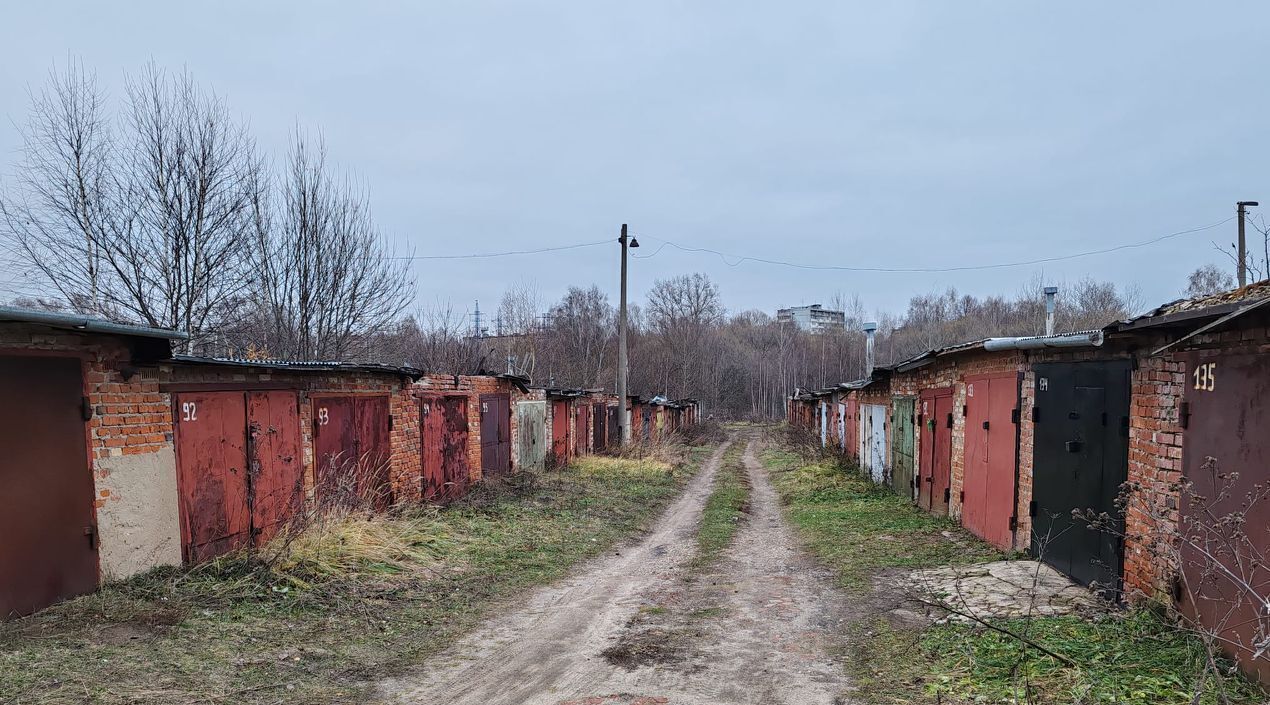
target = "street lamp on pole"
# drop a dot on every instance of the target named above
(623, 413)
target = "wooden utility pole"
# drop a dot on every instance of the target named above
(623, 414)
(1242, 268)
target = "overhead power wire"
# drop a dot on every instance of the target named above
(734, 260)
(485, 255)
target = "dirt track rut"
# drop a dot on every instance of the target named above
(636, 628)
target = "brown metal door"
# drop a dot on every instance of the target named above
(496, 437)
(335, 448)
(455, 470)
(277, 475)
(560, 431)
(990, 442)
(211, 455)
(1225, 515)
(599, 437)
(936, 449)
(374, 447)
(581, 425)
(48, 540)
(853, 427)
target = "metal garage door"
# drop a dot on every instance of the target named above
(599, 434)
(560, 432)
(935, 472)
(238, 468)
(444, 447)
(873, 441)
(1226, 514)
(531, 429)
(1080, 459)
(352, 443)
(991, 441)
(496, 434)
(903, 416)
(581, 428)
(48, 534)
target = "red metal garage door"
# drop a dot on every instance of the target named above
(990, 461)
(238, 468)
(936, 453)
(277, 475)
(1225, 525)
(496, 434)
(352, 443)
(445, 469)
(560, 431)
(48, 546)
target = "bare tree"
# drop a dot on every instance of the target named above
(152, 223)
(327, 282)
(520, 326)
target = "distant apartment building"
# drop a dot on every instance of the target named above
(814, 318)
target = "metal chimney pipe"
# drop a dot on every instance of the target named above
(869, 330)
(1050, 293)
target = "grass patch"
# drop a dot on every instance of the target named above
(728, 503)
(859, 529)
(1137, 659)
(366, 600)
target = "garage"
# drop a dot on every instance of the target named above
(991, 443)
(443, 443)
(903, 416)
(873, 441)
(496, 435)
(1081, 457)
(560, 418)
(531, 430)
(1226, 512)
(599, 426)
(352, 449)
(851, 427)
(238, 468)
(581, 428)
(935, 462)
(47, 519)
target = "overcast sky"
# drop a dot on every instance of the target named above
(888, 134)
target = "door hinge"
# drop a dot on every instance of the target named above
(950, 420)
(1104, 418)
(961, 497)
(1184, 414)
(1014, 415)
(1031, 508)
(921, 419)
(1036, 414)
(963, 410)
(90, 532)
(985, 425)
(947, 495)
(85, 409)
(390, 423)
(1014, 523)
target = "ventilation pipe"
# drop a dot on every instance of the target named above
(869, 330)
(1050, 293)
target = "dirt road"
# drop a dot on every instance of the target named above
(639, 627)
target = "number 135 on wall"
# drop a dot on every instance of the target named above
(1205, 376)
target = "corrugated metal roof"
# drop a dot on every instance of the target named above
(1199, 307)
(78, 322)
(300, 365)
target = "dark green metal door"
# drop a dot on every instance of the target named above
(902, 455)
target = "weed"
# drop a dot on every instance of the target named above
(724, 510)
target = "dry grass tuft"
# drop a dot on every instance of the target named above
(342, 545)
